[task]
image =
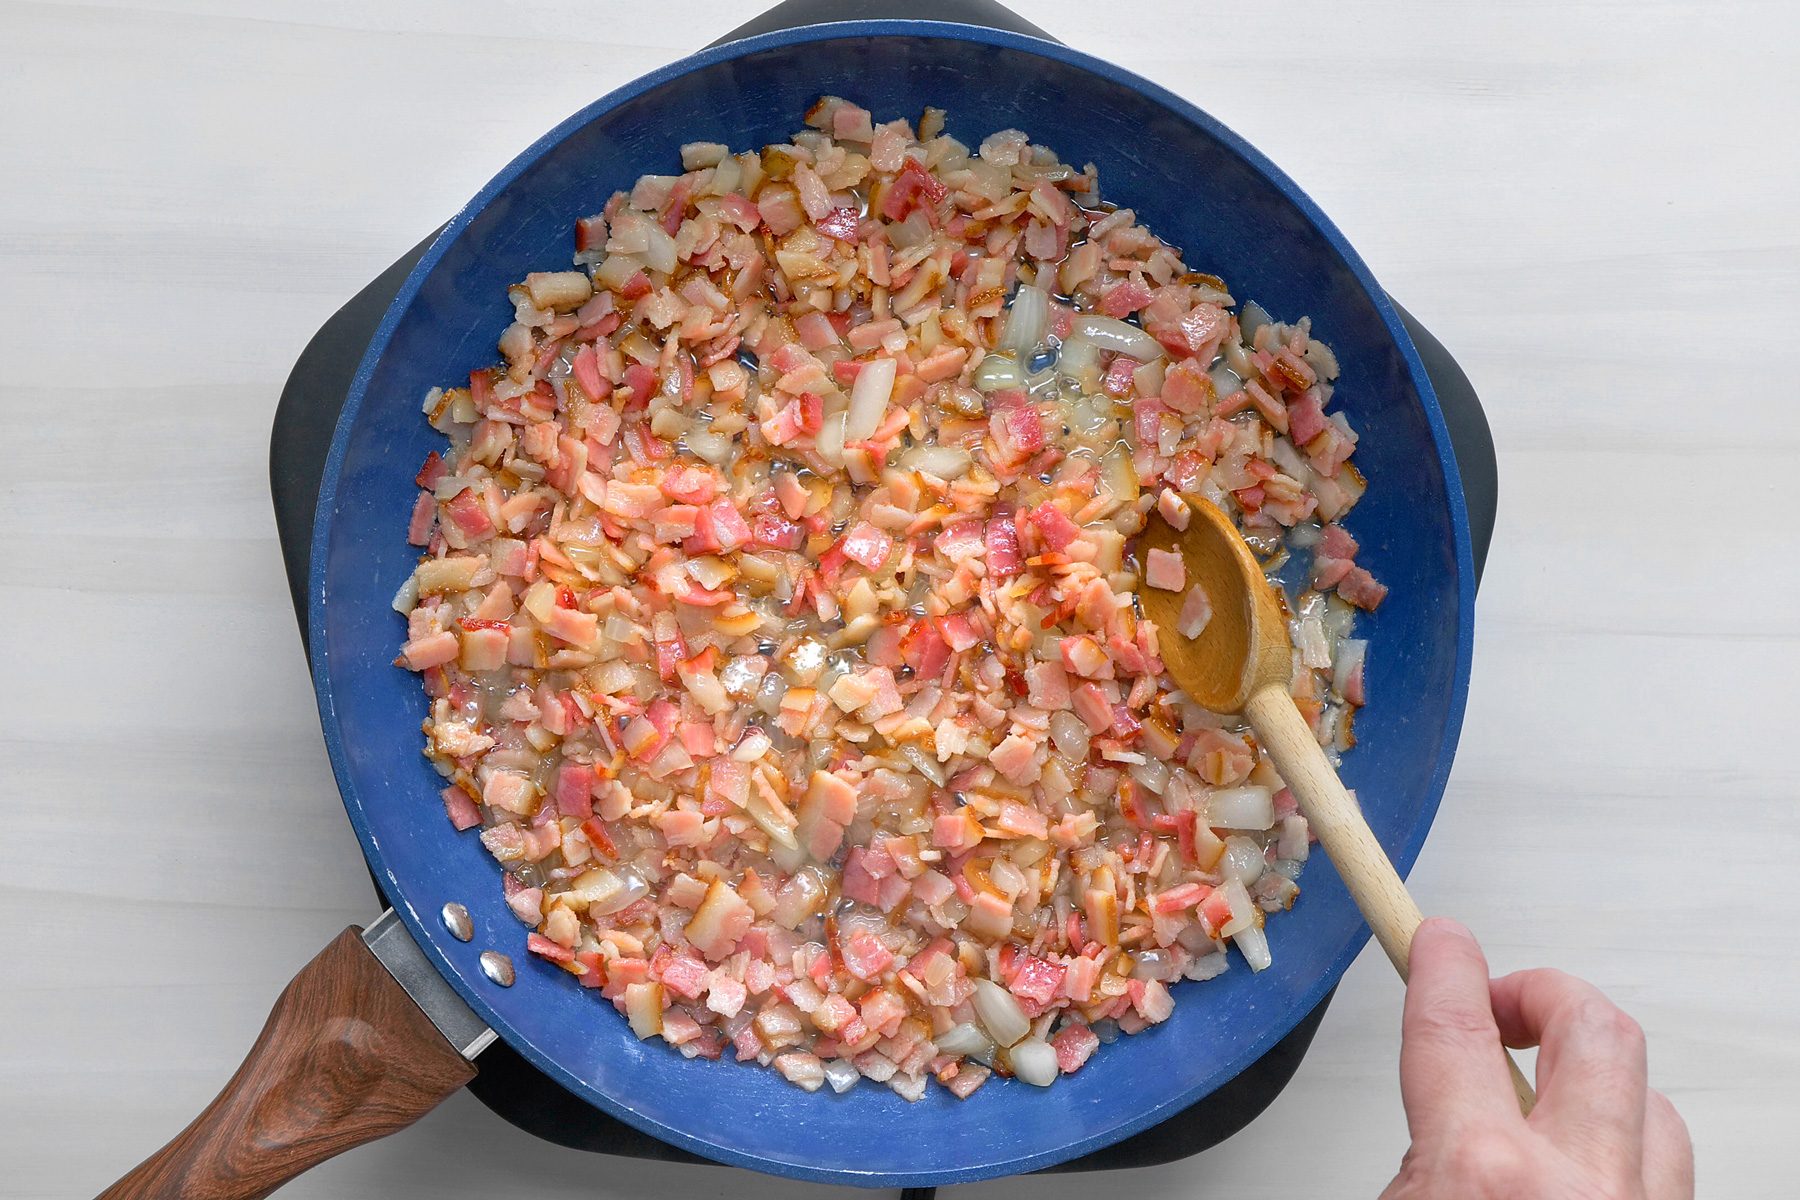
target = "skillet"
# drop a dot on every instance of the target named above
(1190, 179)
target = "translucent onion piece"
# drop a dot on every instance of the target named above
(1243, 860)
(946, 462)
(1025, 321)
(1247, 807)
(869, 399)
(1110, 333)
(1254, 944)
(1000, 1013)
(966, 1038)
(998, 372)
(1034, 1062)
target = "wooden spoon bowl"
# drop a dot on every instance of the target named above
(1242, 662)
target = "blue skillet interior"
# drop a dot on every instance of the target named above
(1192, 181)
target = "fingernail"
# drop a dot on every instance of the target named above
(1446, 925)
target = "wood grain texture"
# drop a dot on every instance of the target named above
(346, 1057)
(1590, 202)
(1242, 661)
(1337, 820)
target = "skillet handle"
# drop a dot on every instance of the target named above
(346, 1057)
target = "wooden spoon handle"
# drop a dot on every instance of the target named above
(1337, 820)
(346, 1057)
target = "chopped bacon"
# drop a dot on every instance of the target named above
(418, 530)
(543, 947)
(1074, 1046)
(463, 812)
(788, 738)
(468, 514)
(433, 470)
(840, 223)
(868, 545)
(574, 790)
(1002, 538)
(1165, 569)
(865, 957)
(1359, 588)
(1123, 299)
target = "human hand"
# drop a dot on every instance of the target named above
(1598, 1132)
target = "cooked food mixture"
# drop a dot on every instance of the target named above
(776, 607)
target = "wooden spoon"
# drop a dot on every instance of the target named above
(1242, 662)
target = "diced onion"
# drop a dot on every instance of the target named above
(946, 462)
(1079, 359)
(1070, 735)
(998, 372)
(1225, 381)
(1110, 333)
(829, 445)
(632, 889)
(1243, 909)
(923, 763)
(1034, 1062)
(1118, 474)
(407, 598)
(1025, 321)
(1254, 944)
(1247, 807)
(1087, 416)
(1251, 318)
(712, 447)
(841, 1075)
(1153, 774)
(1243, 860)
(869, 399)
(1000, 1013)
(965, 1038)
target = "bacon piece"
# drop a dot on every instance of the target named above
(461, 808)
(1015, 758)
(1360, 588)
(1002, 540)
(1125, 298)
(1165, 569)
(1074, 1046)
(1047, 685)
(424, 516)
(543, 947)
(432, 651)
(867, 545)
(828, 807)
(720, 921)
(864, 956)
(1054, 526)
(1092, 706)
(840, 223)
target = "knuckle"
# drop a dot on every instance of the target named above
(1605, 1019)
(1483, 1163)
(1452, 1022)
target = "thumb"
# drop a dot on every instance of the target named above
(1452, 1067)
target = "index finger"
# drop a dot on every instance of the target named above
(1452, 1069)
(1592, 1069)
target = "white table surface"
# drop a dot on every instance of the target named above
(1593, 204)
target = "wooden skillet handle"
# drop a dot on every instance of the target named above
(1334, 816)
(346, 1057)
